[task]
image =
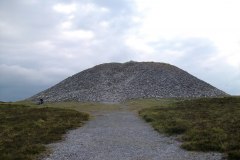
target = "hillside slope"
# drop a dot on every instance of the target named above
(115, 82)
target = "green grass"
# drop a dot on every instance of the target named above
(88, 107)
(210, 124)
(25, 131)
(139, 104)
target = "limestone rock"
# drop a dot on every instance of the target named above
(116, 82)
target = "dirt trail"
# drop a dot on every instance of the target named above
(121, 135)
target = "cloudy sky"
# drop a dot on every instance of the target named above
(43, 42)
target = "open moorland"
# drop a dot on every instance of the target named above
(25, 130)
(207, 124)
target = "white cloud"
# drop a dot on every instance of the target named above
(66, 25)
(8, 30)
(44, 45)
(104, 24)
(91, 8)
(171, 19)
(65, 8)
(214, 20)
(139, 45)
(83, 8)
(79, 34)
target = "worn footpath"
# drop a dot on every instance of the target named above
(121, 135)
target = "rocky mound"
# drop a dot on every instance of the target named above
(116, 82)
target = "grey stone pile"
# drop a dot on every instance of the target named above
(116, 82)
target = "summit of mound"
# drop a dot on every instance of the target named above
(116, 82)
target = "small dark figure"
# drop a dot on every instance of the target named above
(41, 101)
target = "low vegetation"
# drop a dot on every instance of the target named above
(88, 107)
(25, 130)
(139, 104)
(209, 124)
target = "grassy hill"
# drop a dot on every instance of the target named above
(207, 124)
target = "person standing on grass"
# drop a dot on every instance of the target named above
(41, 101)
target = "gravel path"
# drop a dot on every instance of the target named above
(121, 135)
